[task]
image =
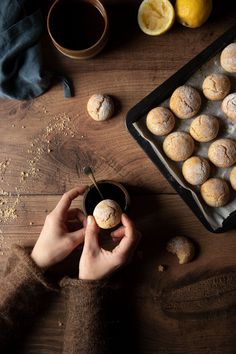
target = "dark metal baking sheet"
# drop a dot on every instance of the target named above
(160, 94)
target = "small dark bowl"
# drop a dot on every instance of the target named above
(110, 190)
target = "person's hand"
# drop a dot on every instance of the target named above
(55, 241)
(97, 263)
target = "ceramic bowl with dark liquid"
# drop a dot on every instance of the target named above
(78, 28)
(110, 190)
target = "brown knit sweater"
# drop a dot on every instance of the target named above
(22, 291)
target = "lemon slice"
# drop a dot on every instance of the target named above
(155, 16)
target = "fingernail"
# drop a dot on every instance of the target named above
(89, 219)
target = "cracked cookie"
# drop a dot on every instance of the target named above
(185, 102)
(222, 152)
(196, 170)
(215, 192)
(160, 121)
(229, 106)
(228, 58)
(100, 107)
(216, 86)
(107, 214)
(178, 146)
(204, 128)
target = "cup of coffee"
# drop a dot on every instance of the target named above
(78, 28)
(110, 190)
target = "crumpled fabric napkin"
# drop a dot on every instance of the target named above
(21, 73)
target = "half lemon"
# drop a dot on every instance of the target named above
(155, 16)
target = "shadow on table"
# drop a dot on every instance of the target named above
(123, 23)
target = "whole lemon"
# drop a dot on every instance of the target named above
(193, 13)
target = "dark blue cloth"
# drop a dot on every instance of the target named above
(21, 72)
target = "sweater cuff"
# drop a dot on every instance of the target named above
(35, 272)
(83, 284)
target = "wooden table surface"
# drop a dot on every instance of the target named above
(42, 139)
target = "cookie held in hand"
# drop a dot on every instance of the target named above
(107, 214)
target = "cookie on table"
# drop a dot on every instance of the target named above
(196, 170)
(215, 192)
(204, 128)
(185, 102)
(178, 146)
(228, 58)
(229, 106)
(160, 121)
(222, 152)
(216, 87)
(100, 107)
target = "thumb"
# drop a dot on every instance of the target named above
(91, 234)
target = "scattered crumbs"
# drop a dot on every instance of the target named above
(60, 324)
(161, 268)
(45, 111)
(39, 147)
(24, 175)
(3, 167)
(8, 213)
(8, 209)
(5, 193)
(44, 144)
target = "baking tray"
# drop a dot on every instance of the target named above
(156, 98)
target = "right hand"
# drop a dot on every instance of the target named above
(96, 262)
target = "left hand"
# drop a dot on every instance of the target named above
(55, 241)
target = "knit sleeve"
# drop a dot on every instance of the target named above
(21, 291)
(89, 322)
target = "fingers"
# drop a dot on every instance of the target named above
(77, 237)
(130, 239)
(66, 200)
(91, 234)
(118, 233)
(76, 214)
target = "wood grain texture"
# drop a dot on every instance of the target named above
(43, 139)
